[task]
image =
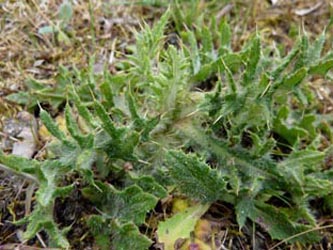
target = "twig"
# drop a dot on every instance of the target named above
(304, 12)
(224, 11)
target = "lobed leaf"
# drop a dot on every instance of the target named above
(252, 61)
(107, 94)
(321, 68)
(207, 45)
(41, 219)
(130, 204)
(101, 230)
(244, 208)
(275, 74)
(195, 178)
(225, 35)
(127, 236)
(107, 123)
(302, 60)
(21, 164)
(73, 129)
(315, 51)
(82, 109)
(279, 226)
(51, 126)
(150, 185)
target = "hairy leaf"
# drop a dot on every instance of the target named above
(149, 185)
(82, 109)
(130, 204)
(252, 61)
(127, 236)
(195, 178)
(72, 127)
(101, 230)
(284, 63)
(225, 34)
(51, 126)
(279, 226)
(321, 68)
(107, 123)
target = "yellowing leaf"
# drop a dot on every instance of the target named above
(179, 205)
(179, 226)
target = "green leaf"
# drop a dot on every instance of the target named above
(262, 146)
(314, 52)
(195, 178)
(41, 219)
(235, 157)
(126, 148)
(149, 126)
(252, 61)
(42, 216)
(22, 98)
(107, 94)
(195, 54)
(288, 130)
(101, 230)
(127, 236)
(257, 114)
(207, 45)
(62, 37)
(34, 84)
(85, 159)
(130, 204)
(278, 225)
(204, 72)
(321, 68)
(294, 79)
(46, 30)
(304, 157)
(231, 81)
(49, 180)
(244, 208)
(285, 62)
(107, 123)
(225, 34)
(302, 59)
(232, 61)
(264, 85)
(20, 164)
(138, 122)
(159, 27)
(308, 123)
(316, 186)
(51, 126)
(82, 109)
(179, 226)
(149, 185)
(66, 152)
(124, 236)
(73, 129)
(65, 12)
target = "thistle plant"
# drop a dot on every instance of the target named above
(251, 145)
